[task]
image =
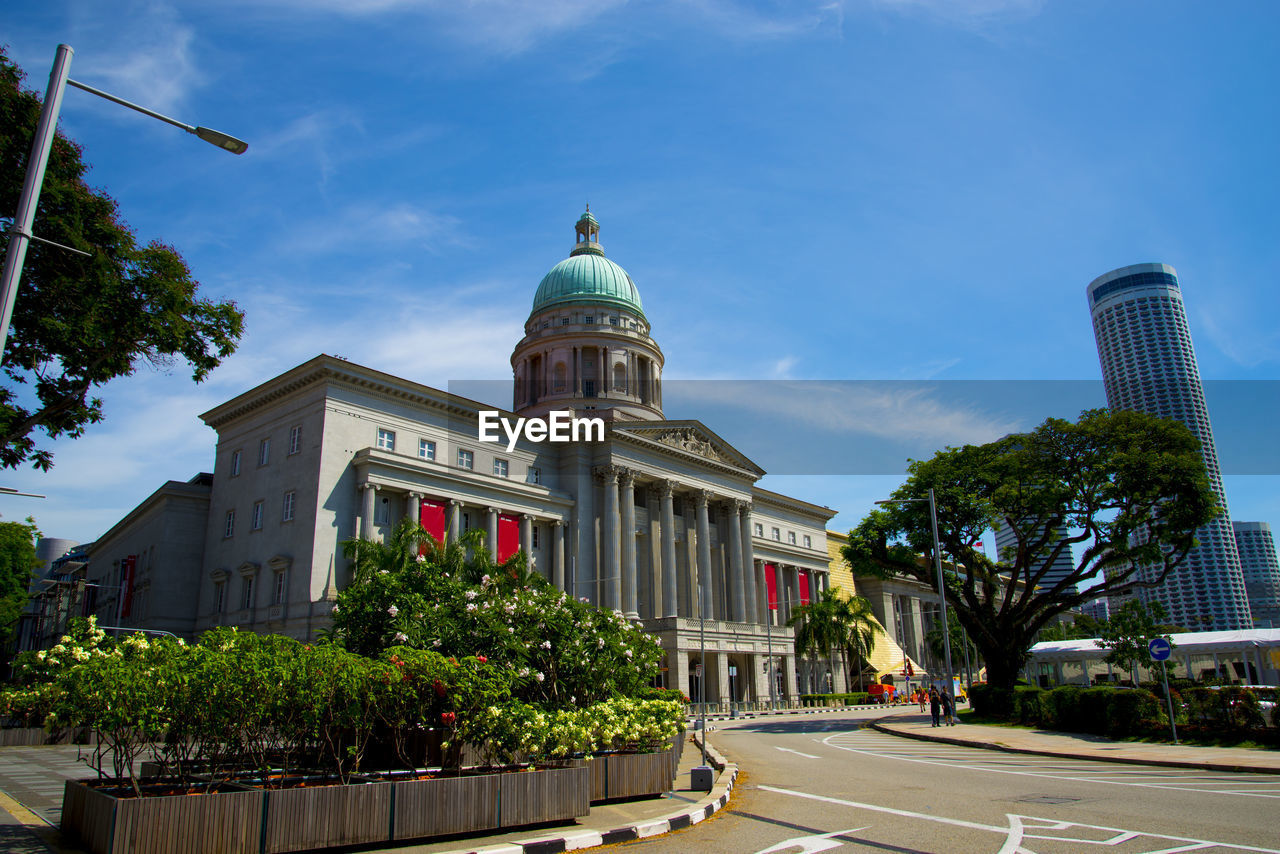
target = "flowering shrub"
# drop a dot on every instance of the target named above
(413, 592)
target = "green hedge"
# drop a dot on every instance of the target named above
(1099, 711)
(855, 698)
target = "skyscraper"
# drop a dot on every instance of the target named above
(1061, 567)
(1149, 365)
(1261, 568)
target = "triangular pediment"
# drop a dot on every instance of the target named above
(689, 437)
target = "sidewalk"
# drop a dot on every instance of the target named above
(1076, 746)
(21, 830)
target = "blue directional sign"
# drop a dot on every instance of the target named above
(1160, 649)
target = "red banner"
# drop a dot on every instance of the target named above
(508, 536)
(771, 585)
(804, 587)
(431, 516)
(126, 584)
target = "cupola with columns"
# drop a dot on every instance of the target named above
(586, 346)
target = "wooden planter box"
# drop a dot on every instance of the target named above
(635, 775)
(281, 820)
(223, 823)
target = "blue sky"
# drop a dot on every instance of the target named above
(890, 190)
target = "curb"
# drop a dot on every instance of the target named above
(1058, 754)
(687, 817)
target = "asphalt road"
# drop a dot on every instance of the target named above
(826, 783)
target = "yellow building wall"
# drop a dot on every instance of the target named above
(886, 657)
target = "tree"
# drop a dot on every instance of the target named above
(82, 321)
(1129, 631)
(1130, 488)
(933, 639)
(834, 623)
(17, 565)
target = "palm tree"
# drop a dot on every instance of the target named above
(859, 631)
(818, 628)
(833, 623)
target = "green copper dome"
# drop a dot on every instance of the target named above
(587, 277)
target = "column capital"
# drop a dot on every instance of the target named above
(664, 488)
(368, 486)
(626, 477)
(492, 510)
(417, 495)
(557, 523)
(527, 517)
(608, 473)
(702, 496)
(455, 502)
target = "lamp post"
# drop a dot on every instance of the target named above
(20, 234)
(942, 590)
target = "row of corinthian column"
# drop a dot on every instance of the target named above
(618, 550)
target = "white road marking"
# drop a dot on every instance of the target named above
(811, 844)
(1079, 777)
(1022, 828)
(798, 753)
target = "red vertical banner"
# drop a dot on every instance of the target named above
(771, 585)
(431, 517)
(804, 587)
(508, 536)
(126, 584)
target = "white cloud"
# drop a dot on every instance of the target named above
(146, 57)
(369, 225)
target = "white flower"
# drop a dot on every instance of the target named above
(627, 653)
(471, 606)
(421, 558)
(436, 642)
(510, 630)
(335, 609)
(400, 637)
(470, 595)
(383, 572)
(600, 643)
(393, 610)
(539, 676)
(546, 644)
(484, 579)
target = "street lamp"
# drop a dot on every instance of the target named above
(942, 590)
(20, 233)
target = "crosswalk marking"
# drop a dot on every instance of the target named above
(872, 742)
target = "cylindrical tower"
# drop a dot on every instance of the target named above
(1149, 365)
(586, 346)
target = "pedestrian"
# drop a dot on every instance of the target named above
(934, 705)
(948, 708)
(920, 696)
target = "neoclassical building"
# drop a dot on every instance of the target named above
(639, 519)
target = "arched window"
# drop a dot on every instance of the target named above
(619, 378)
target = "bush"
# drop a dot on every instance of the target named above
(1131, 712)
(991, 702)
(1026, 708)
(853, 698)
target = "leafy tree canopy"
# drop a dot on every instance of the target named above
(80, 322)
(1128, 488)
(17, 564)
(1130, 629)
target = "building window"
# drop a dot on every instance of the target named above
(255, 520)
(286, 513)
(382, 516)
(295, 439)
(235, 463)
(791, 537)
(808, 541)
(466, 460)
(277, 595)
(246, 592)
(500, 467)
(230, 528)
(426, 449)
(535, 537)
(534, 475)
(264, 452)
(759, 529)
(219, 597)
(776, 534)
(386, 440)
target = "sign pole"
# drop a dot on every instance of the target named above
(1164, 669)
(1160, 650)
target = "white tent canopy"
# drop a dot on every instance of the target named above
(1260, 647)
